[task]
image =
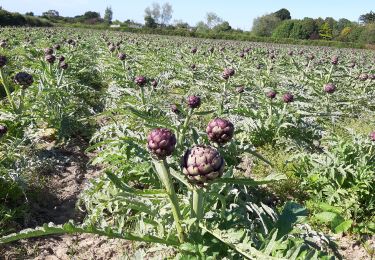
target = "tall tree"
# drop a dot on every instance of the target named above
(51, 13)
(213, 19)
(150, 22)
(166, 14)
(108, 15)
(264, 25)
(283, 14)
(367, 18)
(154, 12)
(325, 31)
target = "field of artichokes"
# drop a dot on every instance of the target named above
(208, 149)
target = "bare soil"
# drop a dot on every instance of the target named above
(57, 203)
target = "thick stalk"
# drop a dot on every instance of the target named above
(22, 99)
(221, 109)
(184, 127)
(162, 170)
(143, 96)
(330, 74)
(238, 101)
(60, 78)
(197, 207)
(7, 91)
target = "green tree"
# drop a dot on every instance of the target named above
(166, 14)
(91, 15)
(223, 27)
(201, 27)
(367, 18)
(150, 22)
(264, 25)
(325, 31)
(343, 23)
(29, 13)
(213, 20)
(284, 29)
(283, 14)
(368, 34)
(154, 12)
(309, 28)
(51, 14)
(108, 15)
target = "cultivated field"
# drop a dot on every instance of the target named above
(185, 148)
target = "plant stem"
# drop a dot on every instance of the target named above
(143, 96)
(7, 91)
(197, 207)
(162, 170)
(184, 127)
(330, 74)
(20, 108)
(221, 109)
(60, 78)
(238, 101)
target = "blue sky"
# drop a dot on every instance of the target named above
(239, 13)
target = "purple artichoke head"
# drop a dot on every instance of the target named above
(154, 83)
(50, 58)
(161, 142)
(23, 79)
(372, 136)
(63, 65)
(335, 60)
(121, 56)
(194, 101)
(288, 97)
(329, 88)
(363, 77)
(174, 109)
(3, 130)
(202, 164)
(271, 94)
(48, 51)
(3, 61)
(227, 73)
(240, 89)
(220, 130)
(140, 80)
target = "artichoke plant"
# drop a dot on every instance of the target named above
(161, 142)
(23, 79)
(271, 94)
(3, 61)
(121, 56)
(50, 58)
(48, 51)
(140, 81)
(329, 88)
(288, 98)
(63, 65)
(202, 164)
(240, 89)
(174, 109)
(3, 130)
(335, 60)
(194, 101)
(220, 130)
(227, 73)
(372, 136)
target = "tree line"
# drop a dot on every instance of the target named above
(158, 17)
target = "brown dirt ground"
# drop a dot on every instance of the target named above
(57, 203)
